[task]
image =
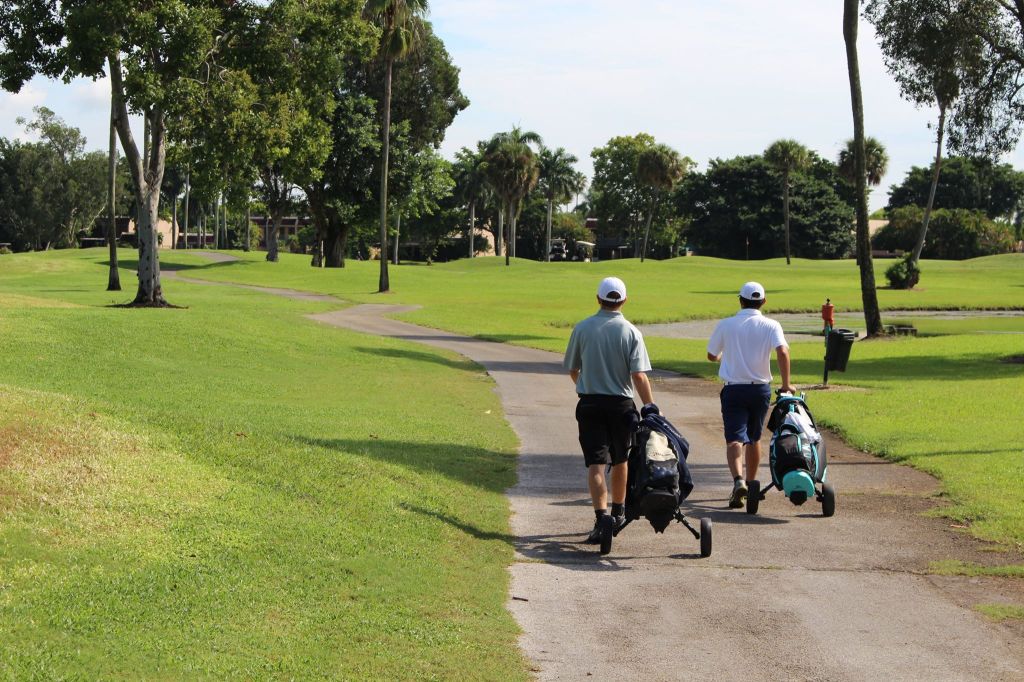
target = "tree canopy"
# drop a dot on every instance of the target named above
(967, 183)
(735, 213)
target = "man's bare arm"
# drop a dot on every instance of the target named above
(643, 387)
(714, 358)
(782, 356)
(574, 374)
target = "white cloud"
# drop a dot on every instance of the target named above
(711, 79)
(15, 105)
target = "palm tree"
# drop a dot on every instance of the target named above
(659, 167)
(559, 181)
(512, 171)
(860, 169)
(787, 156)
(876, 162)
(401, 23)
(471, 183)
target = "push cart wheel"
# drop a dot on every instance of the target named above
(828, 500)
(753, 496)
(705, 537)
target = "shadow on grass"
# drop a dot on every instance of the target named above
(416, 356)
(506, 338)
(133, 264)
(477, 467)
(931, 368)
(421, 356)
(956, 453)
(467, 528)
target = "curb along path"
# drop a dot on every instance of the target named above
(785, 595)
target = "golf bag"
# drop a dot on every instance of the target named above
(797, 453)
(659, 479)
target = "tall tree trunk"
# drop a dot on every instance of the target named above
(216, 223)
(248, 227)
(919, 246)
(145, 162)
(317, 211)
(383, 284)
(335, 246)
(547, 242)
(472, 227)
(113, 277)
(398, 232)
(272, 229)
(499, 236)
(188, 191)
(147, 172)
(508, 236)
(785, 209)
(647, 229)
(174, 222)
(335, 238)
(869, 296)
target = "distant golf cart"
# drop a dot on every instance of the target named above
(557, 252)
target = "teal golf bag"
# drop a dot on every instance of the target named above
(796, 458)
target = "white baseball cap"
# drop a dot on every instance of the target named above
(612, 289)
(752, 291)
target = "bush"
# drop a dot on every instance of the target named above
(4, 251)
(953, 234)
(903, 274)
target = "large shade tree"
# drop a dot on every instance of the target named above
(658, 168)
(618, 199)
(930, 52)
(159, 55)
(968, 183)
(734, 212)
(401, 25)
(869, 296)
(787, 157)
(56, 189)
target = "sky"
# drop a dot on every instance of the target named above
(711, 78)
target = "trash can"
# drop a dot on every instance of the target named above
(837, 349)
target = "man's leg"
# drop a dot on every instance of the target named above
(753, 455)
(598, 491)
(733, 452)
(619, 475)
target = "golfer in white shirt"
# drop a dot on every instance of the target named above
(743, 345)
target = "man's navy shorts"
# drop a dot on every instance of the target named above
(744, 407)
(607, 425)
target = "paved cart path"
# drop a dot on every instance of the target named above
(785, 595)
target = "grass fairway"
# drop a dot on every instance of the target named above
(945, 402)
(230, 490)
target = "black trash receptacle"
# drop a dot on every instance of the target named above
(837, 349)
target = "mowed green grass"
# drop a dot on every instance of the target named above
(946, 402)
(232, 491)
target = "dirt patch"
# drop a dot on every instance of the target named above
(12, 439)
(29, 445)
